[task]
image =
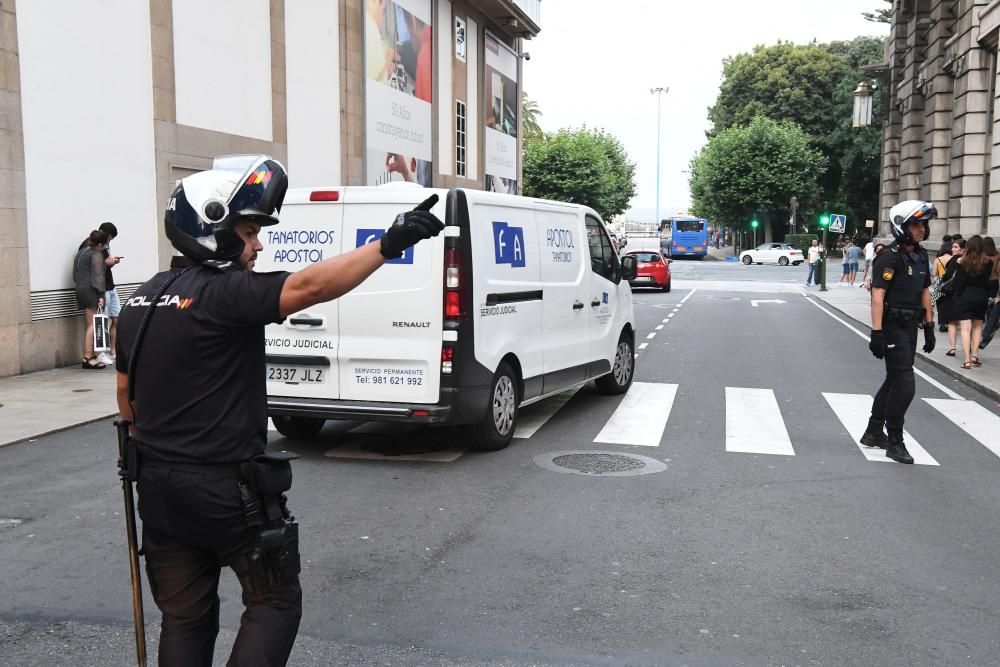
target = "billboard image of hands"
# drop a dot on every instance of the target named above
(398, 68)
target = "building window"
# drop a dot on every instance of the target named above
(460, 38)
(460, 138)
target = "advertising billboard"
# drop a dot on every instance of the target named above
(500, 109)
(398, 63)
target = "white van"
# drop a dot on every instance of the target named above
(516, 300)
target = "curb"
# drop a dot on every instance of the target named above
(940, 365)
(58, 429)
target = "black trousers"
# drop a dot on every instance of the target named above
(192, 526)
(897, 391)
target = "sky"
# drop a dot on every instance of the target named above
(594, 63)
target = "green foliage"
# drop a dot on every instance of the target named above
(755, 170)
(530, 114)
(582, 166)
(801, 241)
(879, 15)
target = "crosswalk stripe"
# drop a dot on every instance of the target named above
(641, 416)
(534, 417)
(853, 411)
(972, 418)
(754, 424)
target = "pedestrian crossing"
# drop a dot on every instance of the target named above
(755, 423)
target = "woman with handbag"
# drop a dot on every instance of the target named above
(88, 276)
(946, 301)
(971, 296)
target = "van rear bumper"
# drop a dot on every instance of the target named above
(455, 407)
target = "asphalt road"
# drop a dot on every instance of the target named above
(815, 555)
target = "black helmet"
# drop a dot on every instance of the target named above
(905, 212)
(203, 207)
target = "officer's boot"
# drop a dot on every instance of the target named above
(896, 449)
(874, 436)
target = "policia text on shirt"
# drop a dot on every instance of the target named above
(901, 303)
(191, 380)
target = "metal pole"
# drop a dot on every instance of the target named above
(822, 263)
(659, 94)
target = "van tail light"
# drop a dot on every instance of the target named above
(447, 360)
(324, 195)
(454, 279)
(421, 413)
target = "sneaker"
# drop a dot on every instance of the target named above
(105, 359)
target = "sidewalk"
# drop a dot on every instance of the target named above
(40, 403)
(855, 303)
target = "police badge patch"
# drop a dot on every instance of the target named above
(887, 274)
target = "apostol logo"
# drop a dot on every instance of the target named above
(508, 244)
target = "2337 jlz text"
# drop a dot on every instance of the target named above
(278, 374)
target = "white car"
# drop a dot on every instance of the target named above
(772, 253)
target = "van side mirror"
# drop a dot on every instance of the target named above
(630, 267)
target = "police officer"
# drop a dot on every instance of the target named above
(193, 349)
(901, 303)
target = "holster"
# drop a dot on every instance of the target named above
(904, 314)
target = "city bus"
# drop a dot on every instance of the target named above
(684, 236)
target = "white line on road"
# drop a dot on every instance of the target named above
(665, 320)
(641, 416)
(917, 371)
(853, 410)
(972, 418)
(643, 346)
(658, 328)
(686, 297)
(534, 417)
(670, 315)
(651, 336)
(754, 424)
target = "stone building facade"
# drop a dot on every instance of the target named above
(941, 109)
(104, 106)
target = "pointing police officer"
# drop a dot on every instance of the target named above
(191, 343)
(901, 303)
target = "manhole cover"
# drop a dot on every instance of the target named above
(600, 464)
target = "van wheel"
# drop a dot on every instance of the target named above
(620, 378)
(496, 429)
(298, 428)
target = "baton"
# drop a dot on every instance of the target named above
(127, 470)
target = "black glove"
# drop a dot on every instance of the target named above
(877, 344)
(410, 228)
(929, 339)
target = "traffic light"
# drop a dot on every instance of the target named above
(824, 220)
(754, 223)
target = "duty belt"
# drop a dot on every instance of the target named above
(224, 470)
(904, 313)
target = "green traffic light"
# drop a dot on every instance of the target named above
(824, 221)
(753, 223)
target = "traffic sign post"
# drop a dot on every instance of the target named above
(824, 223)
(838, 223)
(754, 223)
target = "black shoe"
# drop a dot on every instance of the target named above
(943, 328)
(879, 440)
(897, 452)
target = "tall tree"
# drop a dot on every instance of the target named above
(879, 15)
(530, 114)
(755, 170)
(584, 166)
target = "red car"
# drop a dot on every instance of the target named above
(653, 270)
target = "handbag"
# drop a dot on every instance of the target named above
(102, 331)
(943, 287)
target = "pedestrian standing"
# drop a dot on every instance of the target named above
(208, 492)
(845, 276)
(88, 278)
(901, 303)
(112, 304)
(854, 261)
(971, 291)
(946, 304)
(813, 258)
(869, 253)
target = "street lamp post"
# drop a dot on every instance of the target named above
(659, 92)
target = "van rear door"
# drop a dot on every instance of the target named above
(302, 350)
(391, 325)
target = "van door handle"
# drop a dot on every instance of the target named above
(578, 305)
(595, 303)
(306, 321)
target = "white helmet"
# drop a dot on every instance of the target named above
(905, 212)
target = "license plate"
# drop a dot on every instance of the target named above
(643, 279)
(296, 374)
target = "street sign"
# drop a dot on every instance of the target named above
(838, 223)
(869, 224)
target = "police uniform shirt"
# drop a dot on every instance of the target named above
(903, 275)
(200, 392)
